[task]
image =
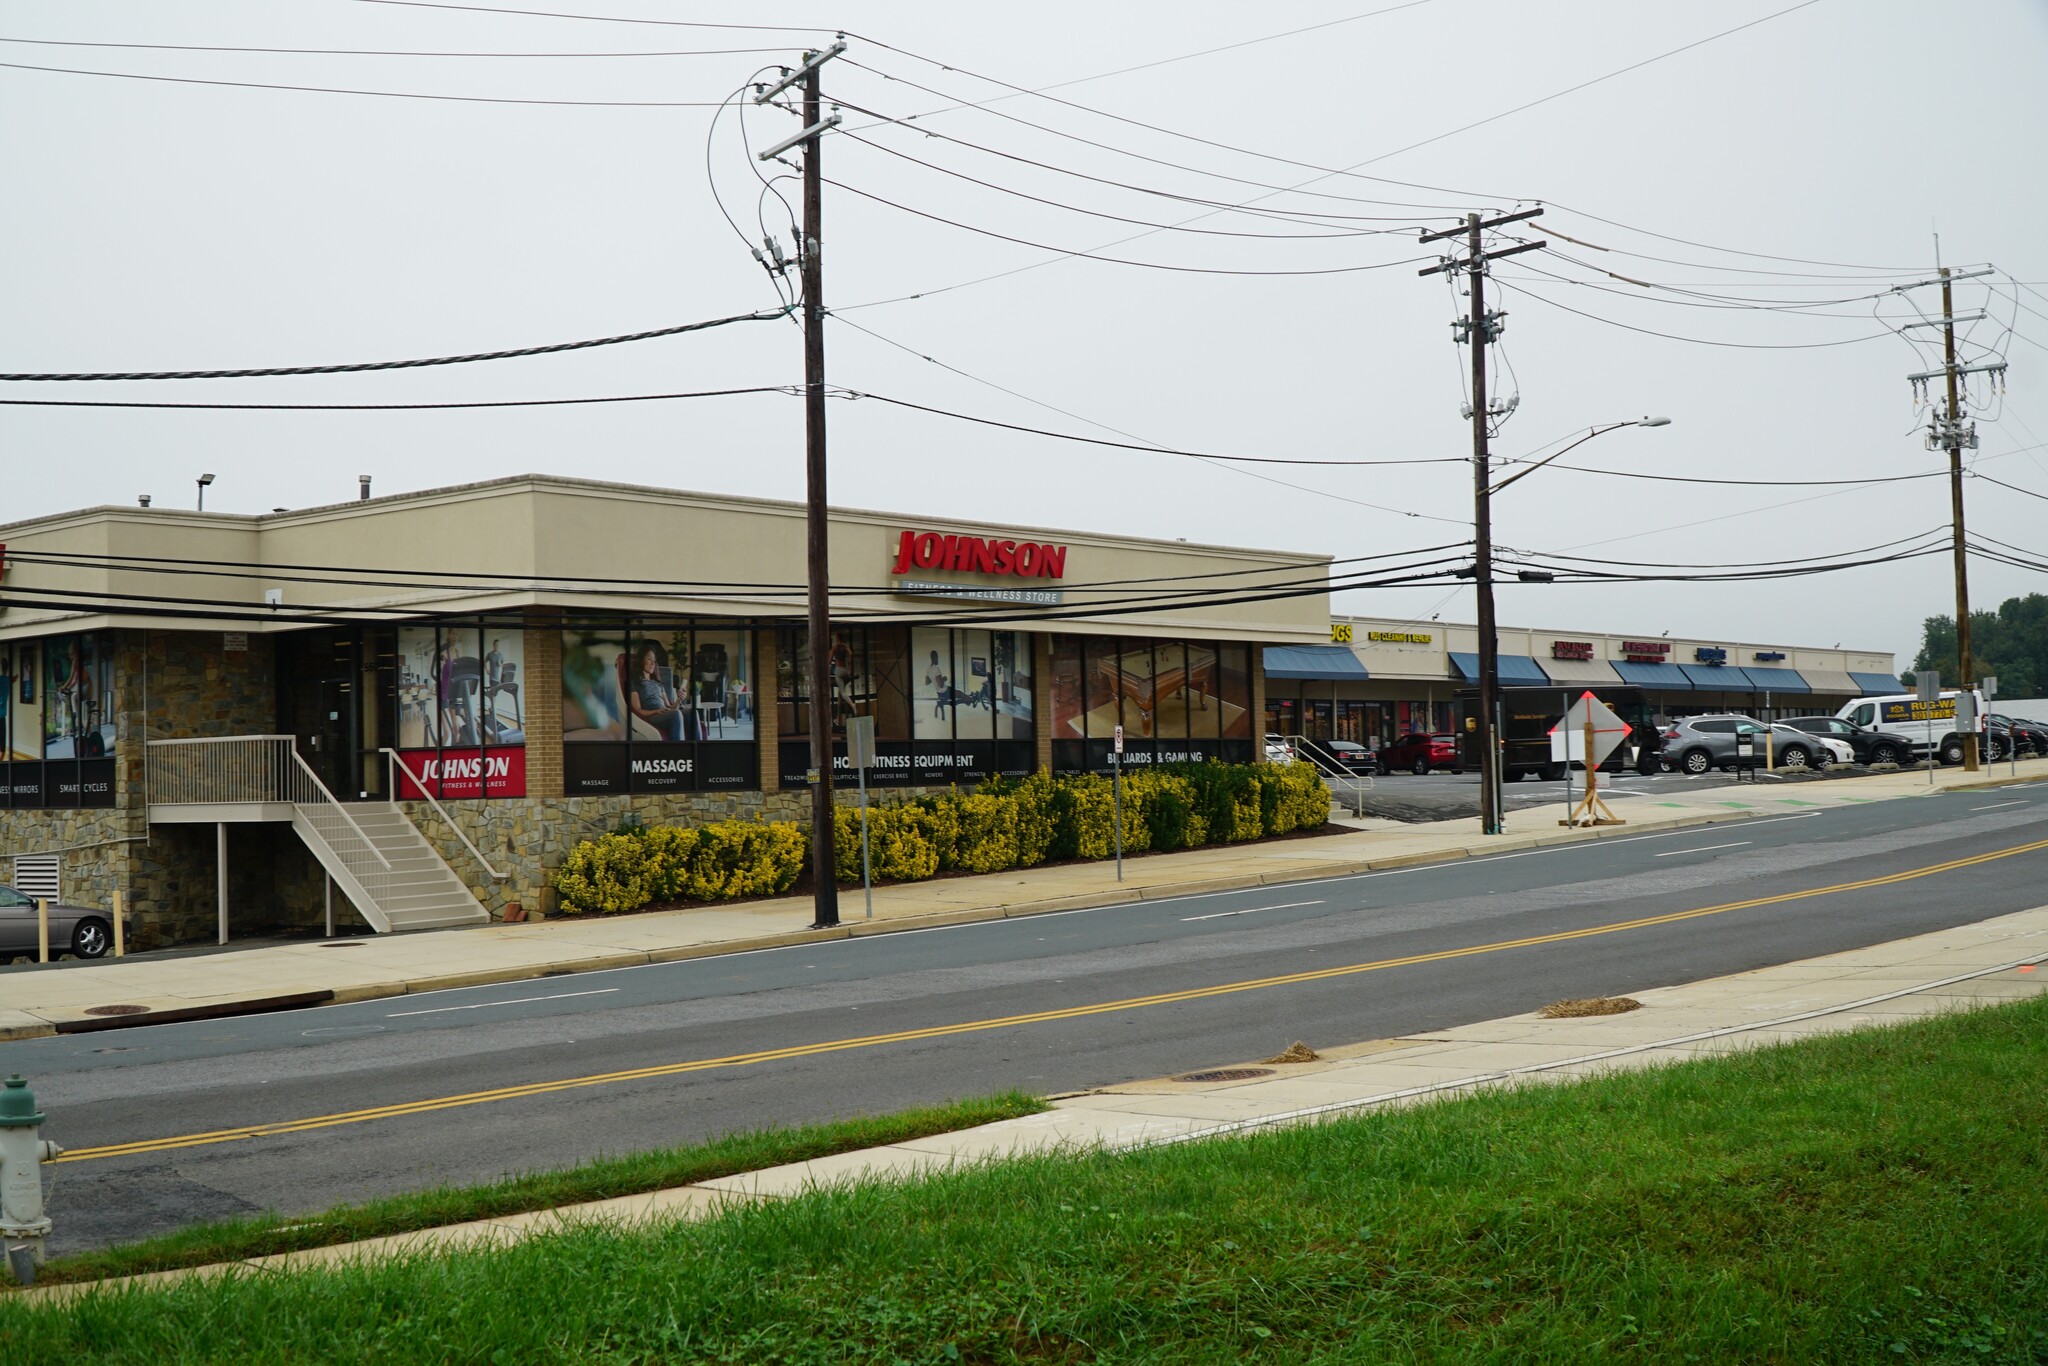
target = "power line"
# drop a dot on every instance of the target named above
(348, 90)
(1111, 260)
(1233, 468)
(1528, 293)
(393, 407)
(1117, 218)
(602, 18)
(551, 349)
(1132, 446)
(382, 52)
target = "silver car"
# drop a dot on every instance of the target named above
(1700, 743)
(77, 930)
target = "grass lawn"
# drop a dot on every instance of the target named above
(601, 1179)
(1872, 1197)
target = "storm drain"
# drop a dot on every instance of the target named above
(117, 1010)
(1228, 1074)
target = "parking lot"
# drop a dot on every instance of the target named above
(1448, 796)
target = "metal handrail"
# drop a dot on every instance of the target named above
(306, 771)
(421, 784)
(1311, 751)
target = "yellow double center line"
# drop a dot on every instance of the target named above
(673, 1069)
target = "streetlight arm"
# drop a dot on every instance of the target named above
(1597, 431)
(1554, 454)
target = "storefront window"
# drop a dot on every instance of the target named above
(1176, 700)
(948, 706)
(461, 710)
(657, 706)
(58, 725)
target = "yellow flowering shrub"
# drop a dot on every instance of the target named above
(721, 861)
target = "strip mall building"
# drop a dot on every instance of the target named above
(1378, 679)
(425, 700)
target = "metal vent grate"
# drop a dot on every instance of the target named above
(39, 876)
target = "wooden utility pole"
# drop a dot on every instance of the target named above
(1481, 328)
(824, 859)
(1955, 500)
(824, 862)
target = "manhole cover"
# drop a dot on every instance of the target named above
(1228, 1074)
(117, 1010)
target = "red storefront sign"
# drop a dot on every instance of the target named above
(1646, 651)
(1571, 649)
(456, 773)
(977, 555)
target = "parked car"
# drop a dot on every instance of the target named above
(1699, 743)
(2030, 736)
(1340, 756)
(1867, 746)
(77, 930)
(1278, 750)
(1420, 753)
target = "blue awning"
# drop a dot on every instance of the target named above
(1516, 671)
(1334, 663)
(1775, 680)
(1717, 678)
(1665, 677)
(1874, 684)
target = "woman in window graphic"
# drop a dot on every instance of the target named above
(653, 700)
(840, 662)
(935, 679)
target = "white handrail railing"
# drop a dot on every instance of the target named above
(421, 783)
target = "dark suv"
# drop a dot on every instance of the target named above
(1871, 746)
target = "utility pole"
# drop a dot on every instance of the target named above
(1480, 328)
(1947, 430)
(824, 861)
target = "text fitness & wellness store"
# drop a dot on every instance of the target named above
(546, 656)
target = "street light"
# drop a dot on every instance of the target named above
(1489, 643)
(204, 480)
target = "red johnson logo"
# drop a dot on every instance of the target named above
(974, 555)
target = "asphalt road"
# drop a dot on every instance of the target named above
(816, 1032)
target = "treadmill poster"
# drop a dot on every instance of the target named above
(462, 711)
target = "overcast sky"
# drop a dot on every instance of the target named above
(162, 225)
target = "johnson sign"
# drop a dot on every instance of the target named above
(978, 555)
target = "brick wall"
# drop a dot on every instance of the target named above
(541, 696)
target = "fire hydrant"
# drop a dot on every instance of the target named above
(23, 1225)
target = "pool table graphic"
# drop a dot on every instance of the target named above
(1134, 673)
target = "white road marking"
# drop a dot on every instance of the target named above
(515, 1001)
(1249, 910)
(1703, 849)
(1995, 805)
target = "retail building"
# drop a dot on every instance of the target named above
(205, 710)
(1376, 679)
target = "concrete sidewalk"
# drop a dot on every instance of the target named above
(1971, 965)
(36, 1001)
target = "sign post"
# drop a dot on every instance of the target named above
(860, 752)
(1928, 683)
(1116, 797)
(1601, 731)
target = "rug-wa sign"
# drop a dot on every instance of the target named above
(456, 773)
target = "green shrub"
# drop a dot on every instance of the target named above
(1005, 823)
(986, 832)
(722, 861)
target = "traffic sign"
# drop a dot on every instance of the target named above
(1119, 739)
(1568, 738)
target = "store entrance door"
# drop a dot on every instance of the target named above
(326, 742)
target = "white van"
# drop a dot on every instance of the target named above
(1931, 726)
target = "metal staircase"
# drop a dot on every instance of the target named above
(375, 854)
